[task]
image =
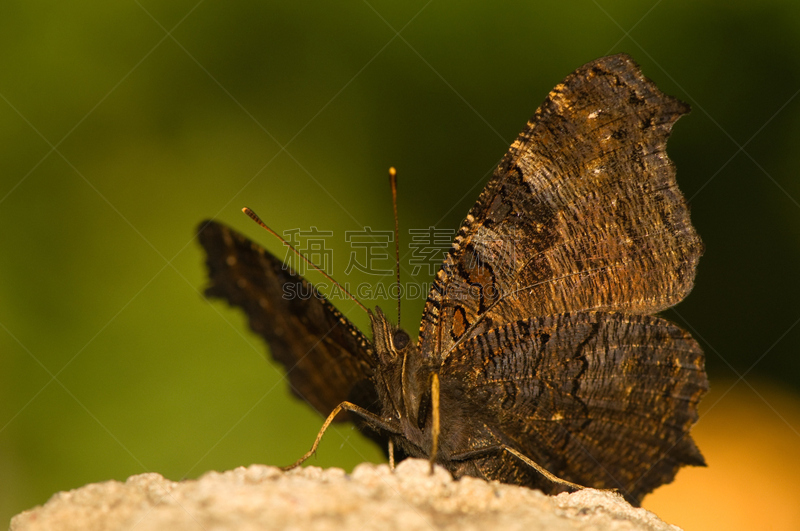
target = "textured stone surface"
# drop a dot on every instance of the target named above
(372, 497)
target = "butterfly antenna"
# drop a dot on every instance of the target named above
(393, 183)
(257, 219)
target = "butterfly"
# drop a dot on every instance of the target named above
(540, 360)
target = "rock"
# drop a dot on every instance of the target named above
(372, 497)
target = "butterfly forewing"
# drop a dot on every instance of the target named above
(324, 354)
(583, 213)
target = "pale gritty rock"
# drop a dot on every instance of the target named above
(372, 497)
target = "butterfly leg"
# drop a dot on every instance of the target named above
(478, 452)
(435, 421)
(391, 454)
(374, 420)
(534, 465)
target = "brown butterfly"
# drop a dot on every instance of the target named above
(539, 360)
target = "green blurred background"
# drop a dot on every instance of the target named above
(124, 124)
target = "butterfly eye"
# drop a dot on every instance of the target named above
(400, 340)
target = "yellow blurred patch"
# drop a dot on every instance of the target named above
(750, 437)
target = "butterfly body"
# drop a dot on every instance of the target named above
(402, 379)
(538, 339)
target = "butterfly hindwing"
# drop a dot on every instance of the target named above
(324, 354)
(600, 399)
